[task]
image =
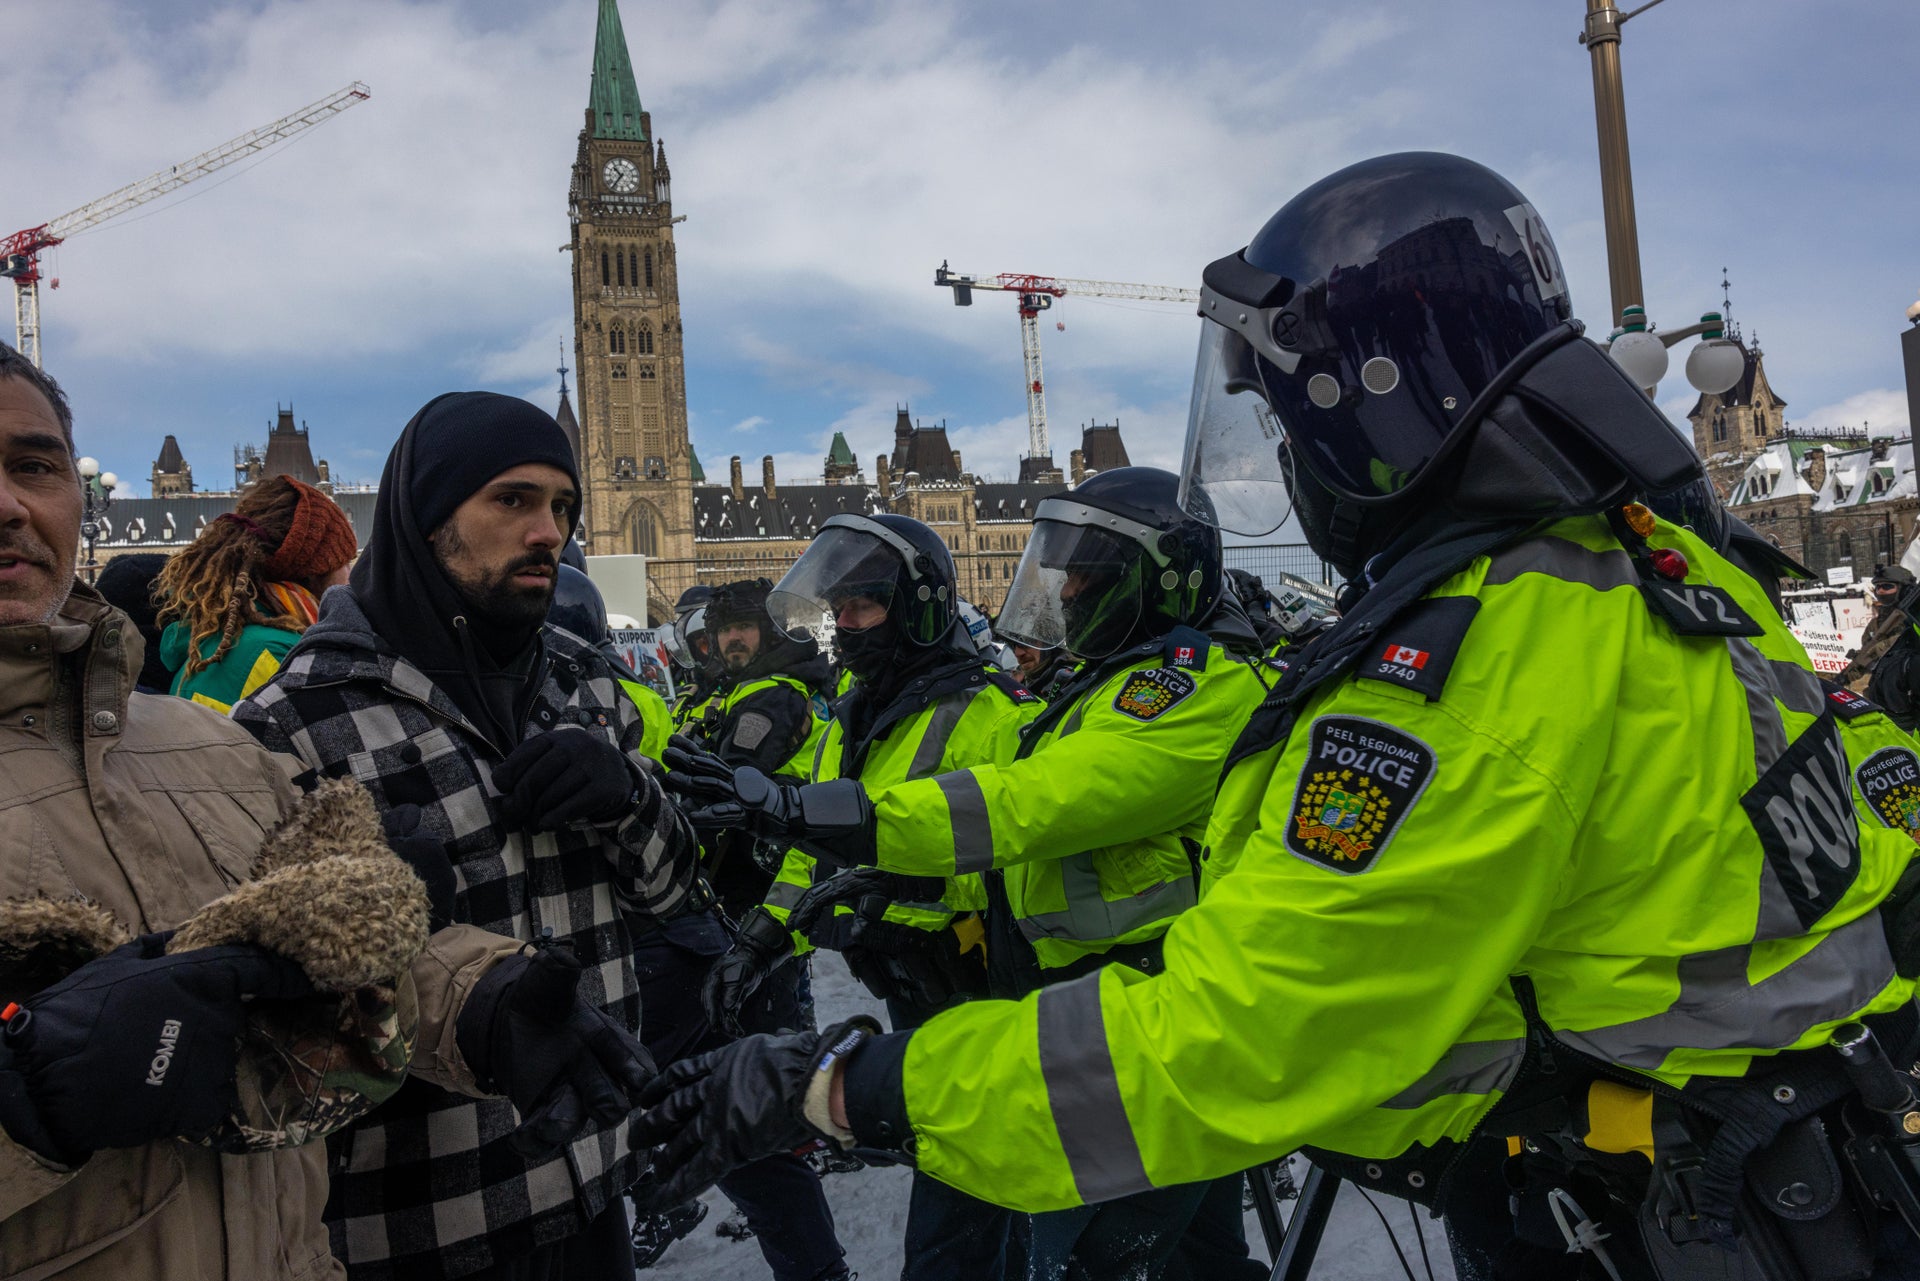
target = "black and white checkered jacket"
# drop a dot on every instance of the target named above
(427, 1187)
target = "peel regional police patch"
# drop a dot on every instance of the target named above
(1890, 781)
(1360, 779)
(1152, 692)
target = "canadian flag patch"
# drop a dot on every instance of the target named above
(1405, 656)
(1183, 656)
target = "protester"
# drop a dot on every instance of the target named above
(235, 600)
(510, 747)
(147, 808)
(127, 582)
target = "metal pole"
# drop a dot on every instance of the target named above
(1910, 352)
(1602, 38)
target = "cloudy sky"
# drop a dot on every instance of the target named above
(828, 156)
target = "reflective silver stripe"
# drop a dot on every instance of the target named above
(940, 726)
(1089, 915)
(1755, 675)
(1719, 1010)
(1083, 1092)
(1073, 718)
(1797, 687)
(1471, 1067)
(784, 894)
(1563, 559)
(967, 812)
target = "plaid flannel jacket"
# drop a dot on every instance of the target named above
(427, 1186)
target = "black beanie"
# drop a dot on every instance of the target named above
(464, 439)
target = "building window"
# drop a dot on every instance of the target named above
(617, 342)
(620, 269)
(1843, 546)
(643, 341)
(1719, 426)
(605, 280)
(618, 372)
(649, 268)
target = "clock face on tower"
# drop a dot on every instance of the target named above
(621, 175)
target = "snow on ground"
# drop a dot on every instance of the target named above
(870, 1206)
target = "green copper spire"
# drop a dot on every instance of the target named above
(697, 472)
(614, 102)
(839, 454)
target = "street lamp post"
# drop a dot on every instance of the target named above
(1602, 38)
(1715, 364)
(96, 491)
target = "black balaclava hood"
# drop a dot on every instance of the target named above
(454, 445)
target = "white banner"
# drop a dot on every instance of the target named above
(1827, 648)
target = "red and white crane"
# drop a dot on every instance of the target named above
(20, 252)
(1035, 294)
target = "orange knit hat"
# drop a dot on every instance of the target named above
(319, 541)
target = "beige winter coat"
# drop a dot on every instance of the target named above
(153, 807)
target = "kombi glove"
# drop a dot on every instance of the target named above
(132, 1047)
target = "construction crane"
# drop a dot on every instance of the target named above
(1035, 294)
(20, 252)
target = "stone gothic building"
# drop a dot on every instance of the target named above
(646, 491)
(1831, 497)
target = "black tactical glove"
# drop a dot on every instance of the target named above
(854, 887)
(714, 1113)
(560, 1060)
(133, 1047)
(566, 775)
(831, 821)
(762, 944)
(698, 778)
(426, 854)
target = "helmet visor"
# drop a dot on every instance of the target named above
(1077, 588)
(685, 639)
(842, 569)
(1233, 474)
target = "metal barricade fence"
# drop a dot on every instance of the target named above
(1270, 560)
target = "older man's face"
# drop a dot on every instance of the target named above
(39, 507)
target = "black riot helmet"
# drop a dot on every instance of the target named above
(1113, 563)
(1397, 338)
(578, 606)
(894, 562)
(687, 642)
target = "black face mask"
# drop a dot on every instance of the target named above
(868, 651)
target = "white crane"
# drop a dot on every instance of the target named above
(20, 252)
(1035, 295)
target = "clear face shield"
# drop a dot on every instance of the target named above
(1234, 470)
(687, 642)
(846, 577)
(1079, 585)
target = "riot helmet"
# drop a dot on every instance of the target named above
(870, 585)
(686, 641)
(1696, 505)
(1399, 337)
(1112, 563)
(578, 606)
(980, 632)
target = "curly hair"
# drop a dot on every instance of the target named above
(216, 585)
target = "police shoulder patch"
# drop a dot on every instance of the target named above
(1360, 780)
(751, 730)
(1152, 692)
(1890, 781)
(1416, 649)
(1846, 704)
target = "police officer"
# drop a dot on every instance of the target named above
(1556, 835)
(768, 711)
(1094, 829)
(924, 702)
(690, 647)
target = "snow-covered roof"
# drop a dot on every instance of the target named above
(1856, 473)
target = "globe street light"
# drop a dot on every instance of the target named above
(96, 491)
(1713, 366)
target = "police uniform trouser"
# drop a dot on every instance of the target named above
(780, 1195)
(950, 1236)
